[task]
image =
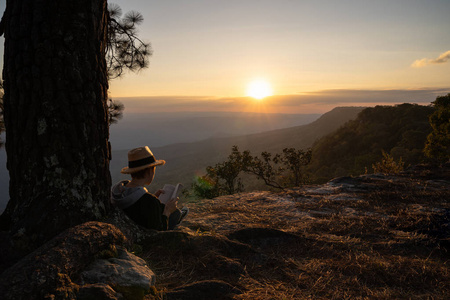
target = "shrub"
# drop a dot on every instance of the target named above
(388, 165)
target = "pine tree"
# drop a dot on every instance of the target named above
(56, 115)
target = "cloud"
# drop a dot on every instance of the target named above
(311, 102)
(443, 58)
(350, 97)
(420, 63)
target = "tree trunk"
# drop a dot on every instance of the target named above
(55, 112)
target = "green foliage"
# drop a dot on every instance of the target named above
(227, 173)
(401, 130)
(277, 171)
(264, 168)
(438, 141)
(281, 170)
(220, 179)
(388, 165)
(294, 161)
(115, 111)
(125, 51)
(205, 187)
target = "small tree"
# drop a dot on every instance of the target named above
(280, 170)
(221, 179)
(438, 141)
(263, 168)
(294, 161)
(388, 165)
(277, 171)
(226, 174)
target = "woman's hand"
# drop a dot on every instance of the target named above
(159, 192)
(171, 206)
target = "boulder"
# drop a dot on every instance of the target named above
(126, 274)
(48, 271)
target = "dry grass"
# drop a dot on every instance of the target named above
(388, 242)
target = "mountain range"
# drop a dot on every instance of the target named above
(400, 131)
(161, 129)
(186, 160)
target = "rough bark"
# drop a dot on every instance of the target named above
(55, 109)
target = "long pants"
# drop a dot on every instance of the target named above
(174, 219)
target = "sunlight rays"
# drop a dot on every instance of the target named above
(259, 89)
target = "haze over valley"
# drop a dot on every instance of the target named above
(164, 128)
(186, 160)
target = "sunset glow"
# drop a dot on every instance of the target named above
(259, 89)
(310, 56)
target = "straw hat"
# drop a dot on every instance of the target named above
(140, 159)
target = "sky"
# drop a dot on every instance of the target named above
(315, 54)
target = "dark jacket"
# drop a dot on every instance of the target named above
(141, 206)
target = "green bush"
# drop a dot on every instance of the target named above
(388, 165)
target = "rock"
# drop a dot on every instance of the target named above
(204, 290)
(48, 271)
(353, 184)
(127, 274)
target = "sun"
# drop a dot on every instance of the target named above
(259, 89)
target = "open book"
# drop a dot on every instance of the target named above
(170, 192)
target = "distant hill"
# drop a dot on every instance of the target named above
(185, 160)
(399, 130)
(161, 129)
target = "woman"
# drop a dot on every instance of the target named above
(133, 198)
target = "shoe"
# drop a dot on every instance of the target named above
(184, 212)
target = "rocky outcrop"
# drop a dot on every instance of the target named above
(51, 271)
(305, 242)
(126, 273)
(354, 237)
